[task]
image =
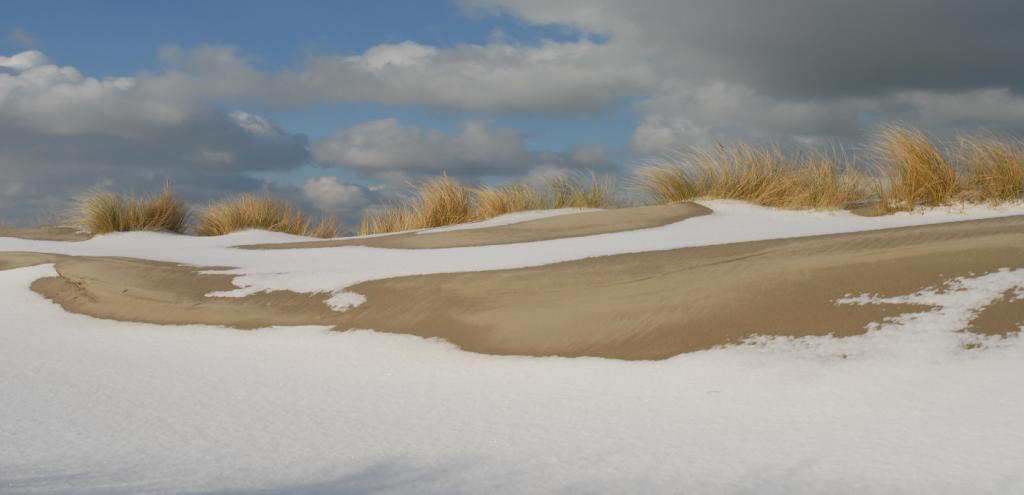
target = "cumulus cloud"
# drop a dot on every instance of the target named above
(550, 77)
(807, 71)
(387, 145)
(330, 195)
(62, 132)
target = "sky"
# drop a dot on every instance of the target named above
(337, 105)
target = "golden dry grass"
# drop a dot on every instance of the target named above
(760, 175)
(386, 219)
(492, 201)
(918, 172)
(993, 168)
(437, 202)
(446, 201)
(578, 190)
(911, 171)
(443, 201)
(105, 212)
(251, 211)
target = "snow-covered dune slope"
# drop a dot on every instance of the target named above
(102, 407)
(333, 269)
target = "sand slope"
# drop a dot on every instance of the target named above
(576, 225)
(45, 233)
(656, 305)
(633, 306)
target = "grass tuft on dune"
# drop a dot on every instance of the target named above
(436, 202)
(105, 212)
(911, 170)
(446, 201)
(492, 201)
(578, 190)
(759, 175)
(250, 211)
(918, 172)
(994, 168)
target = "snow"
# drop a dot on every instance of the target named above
(100, 407)
(331, 270)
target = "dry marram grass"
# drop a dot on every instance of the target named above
(250, 211)
(994, 168)
(437, 202)
(579, 191)
(918, 172)
(446, 201)
(492, 201)
(105, 212)
(764, 176)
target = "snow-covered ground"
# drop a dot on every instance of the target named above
(96, 406)
(93, 406)
(334, 269)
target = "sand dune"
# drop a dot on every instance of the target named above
(167, 293)
(577, 225)
(45, 233)
(656, 305)
(633, 306)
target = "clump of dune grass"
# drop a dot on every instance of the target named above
(577, 190)
(761, 175)
(388, 218)
(668, 182)
(250, 211)
(327, 228)
(435, 203)
(442, 201)
(993, 168)
(819, 182)
(105, 212)
(917, 171)
(491, 201)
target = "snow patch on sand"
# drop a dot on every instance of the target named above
(332, 270)
(103, 407)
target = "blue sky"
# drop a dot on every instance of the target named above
(336, 105)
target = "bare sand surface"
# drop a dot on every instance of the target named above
(45, 233)
(1002, 317)
(633, 306)
(13, 260)
(575, 225)
(659, 304)
(168, 293)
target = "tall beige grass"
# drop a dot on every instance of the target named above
(917, 171)
(446, 201)
(251, 211)
(105, 212)
(492, 201)
(760, 175)
(579, 190)
(436, 202)
(993, 168)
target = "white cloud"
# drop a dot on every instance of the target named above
(729, 69)
(63, 132)
(330, 195)
(387, 144)
(24, 60)
(551, 77)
